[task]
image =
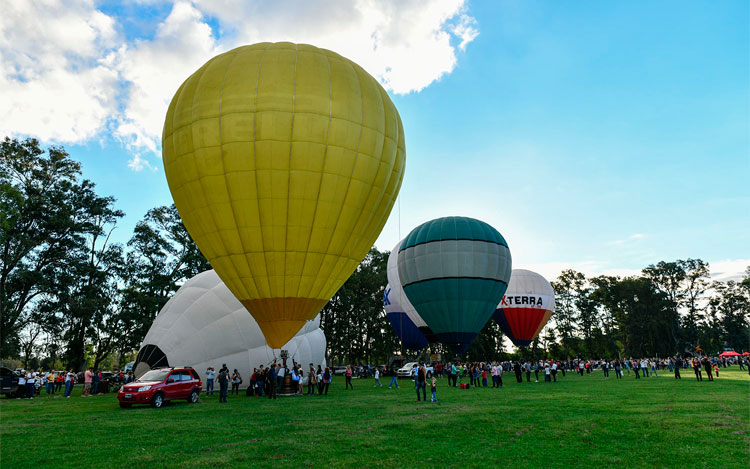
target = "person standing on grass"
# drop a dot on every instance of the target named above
(50, 378)
(678, 365)
(554, 371)
(22, 384)
(653, 368)
(327, 377)
(547, 372)
(69, 377)
(30, 382)
(210, 376)
(271, 381)
(697, 369)
(394, 378)
(236, 381)
(377, 378)
(527, 365)
(87, 382)
(484, 377)
(59, 381)
(707, 367)
(348, 376)
(433, 388)
(536, 371)
(312, 380)
(618, 369)
(223, 384)
(517, 370)
(422, 382)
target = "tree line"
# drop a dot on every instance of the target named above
(69, 297)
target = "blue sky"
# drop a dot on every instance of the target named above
(602, 136)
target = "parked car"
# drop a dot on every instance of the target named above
(8, 381)
(406, 370)
(160, 385)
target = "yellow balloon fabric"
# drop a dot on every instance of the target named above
(284, 161)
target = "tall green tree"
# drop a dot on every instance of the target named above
(565, 315)
(44, 213)
(161, 256)
(354, 322)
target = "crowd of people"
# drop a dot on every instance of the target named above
(32, 383)
(268, 380)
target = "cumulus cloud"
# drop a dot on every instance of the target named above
(68, 73)
(722, 270)
(57, 70)
(154, 69)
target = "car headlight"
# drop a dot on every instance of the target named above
(144, 388)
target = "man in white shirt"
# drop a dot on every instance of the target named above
(210, 376)
(22, 384)
(554, 371)
(30, 380)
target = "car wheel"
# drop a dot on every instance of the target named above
(194, 396)
(157, 401)
(124, 405)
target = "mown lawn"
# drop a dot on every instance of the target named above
(578, 422)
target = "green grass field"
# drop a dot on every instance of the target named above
(578, 422)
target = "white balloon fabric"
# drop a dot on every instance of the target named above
(397, 290)
(204, 325)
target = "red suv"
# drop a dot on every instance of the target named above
(160, 385)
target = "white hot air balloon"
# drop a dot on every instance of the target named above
(397, 293)
(204, 325)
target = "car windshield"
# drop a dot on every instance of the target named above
(154, 375)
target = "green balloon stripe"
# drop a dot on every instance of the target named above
(453, 228)
(456, 304)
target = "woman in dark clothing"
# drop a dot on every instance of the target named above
(326, 380)
(223, 384)
(707, 366)
(697, 369)
(311, 381)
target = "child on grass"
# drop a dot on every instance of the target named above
(433, 388)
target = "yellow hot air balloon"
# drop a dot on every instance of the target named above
(284, 161)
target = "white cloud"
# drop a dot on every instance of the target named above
(722, 270)
(66, 75)
(154, 69)
(729, 269)
(629, 239)
(57, 80)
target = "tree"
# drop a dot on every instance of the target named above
(354, 322)
(565, 313)
(694, 286)
(42, 219)
(162, 255)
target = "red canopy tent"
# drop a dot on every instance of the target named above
(746, 353)
(729, 353)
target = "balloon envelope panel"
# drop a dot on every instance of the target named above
(526, 307)
(204, 325)
(406, 331)
(454, 271)
(397, 292)
(284, 161)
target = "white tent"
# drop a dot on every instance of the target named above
(204, 325)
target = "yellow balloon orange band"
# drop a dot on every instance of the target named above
(284, 162)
